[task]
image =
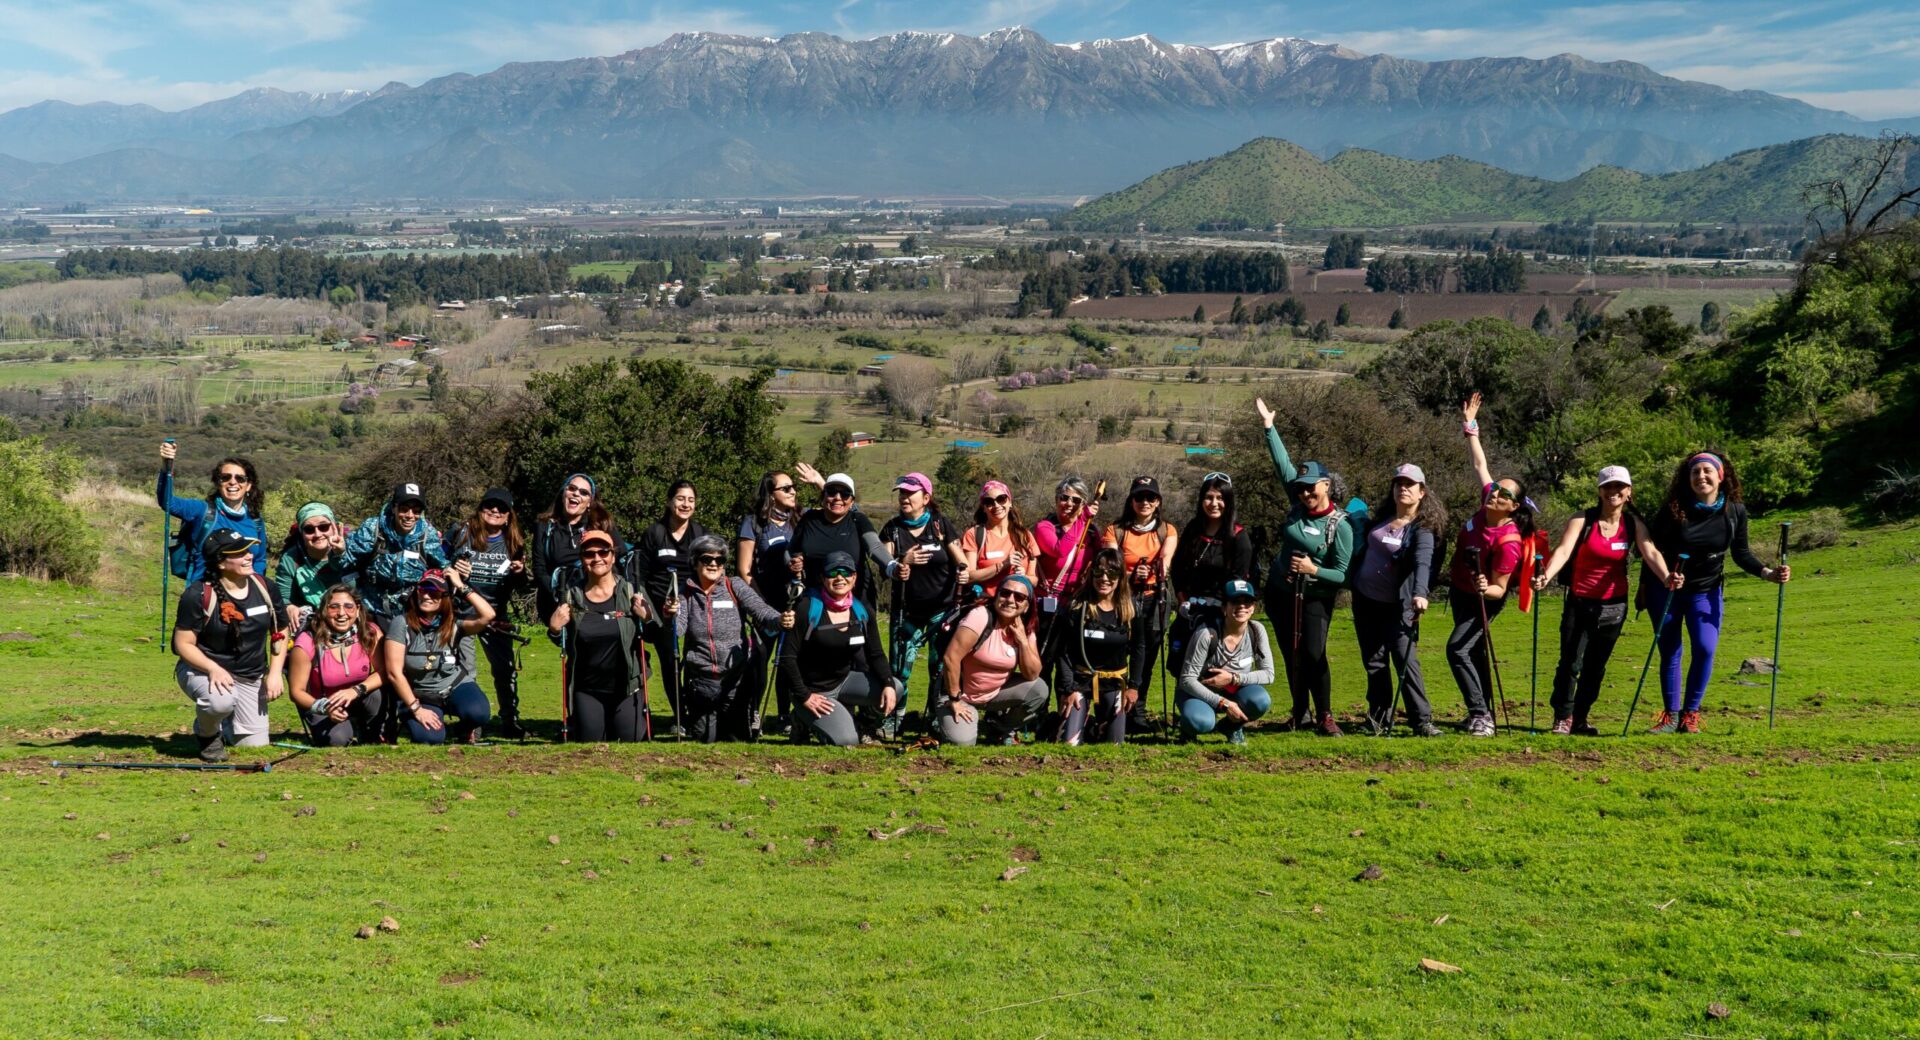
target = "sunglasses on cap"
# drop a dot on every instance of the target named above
(710, 561)
(839, 572)
(1217, 476)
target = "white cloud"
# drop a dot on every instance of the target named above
(276, 24)
(1888, 103)
(84, 34)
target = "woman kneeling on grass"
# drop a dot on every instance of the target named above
(599, 625)
(1223, 684)
(834, 661)
(1596, 543)
(229, 633)
(332, 678)
(1489, 552)
(424, 653)
(1097, 648)
(718, 619)
(1704, 518)
(992, 666)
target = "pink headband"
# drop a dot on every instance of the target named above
(1719, 466)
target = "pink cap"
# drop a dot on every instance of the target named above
(914, 482)
(994, 489)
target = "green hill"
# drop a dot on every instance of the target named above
(1269, 181)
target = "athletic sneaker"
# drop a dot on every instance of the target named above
(1425, 728)
(213, 749)
(510, 729)
(1238, 736)
(1667, 722)
(890, 728)
(1583, 728)
(1328, 727)
(1689, 722)
(1297, 724)
(1480, 726)
(1563, 727)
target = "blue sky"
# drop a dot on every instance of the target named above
(1862, 57)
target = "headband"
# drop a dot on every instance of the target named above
(1719, 465)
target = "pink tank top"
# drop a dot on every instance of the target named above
(329, 674)
(1600, 563)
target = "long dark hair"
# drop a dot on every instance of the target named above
(1522, 515)
(763, 497)
(1431, 514)
(1680, 488)
(369, 633)
(666, 508)
(256, 496)
(1197, 527)
(1105, 562)
(596, 517)
(477, 536)
(1017, 532)
(417, 621)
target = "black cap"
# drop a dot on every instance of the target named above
(499, 495)
(408, 492)
(225, 541)
(1147, 484)
(1310, 473)
(840, 560)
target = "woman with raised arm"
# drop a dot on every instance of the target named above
(1223, 682)
(837, 526)
(992, 668)
(424, 660)
(834, 660)
(1213, 551)
(576, 510)
(1486, 558)
(1704, 518)
(1096, 654)
(489, 552)
(662, 559)
(228, 631)
(1394, 564)
(1596, 544)
(998, 545)
(393, 551)
(234, 504)
(1304, 579)
(333, 675)
(1147, 543)
(598, 624)
(717, 618)
(309, 561)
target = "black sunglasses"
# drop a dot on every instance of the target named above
(710, 561)
(1499, 492)
(595, 553)
(1009, 594)
(232, 478)
(837, 492)
(316, 529)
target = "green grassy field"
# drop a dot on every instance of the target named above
(1586, 888)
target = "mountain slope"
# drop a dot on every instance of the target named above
(55, 131)
(1267, 181)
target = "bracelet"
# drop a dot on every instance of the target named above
(1471, 427)
(415, 706)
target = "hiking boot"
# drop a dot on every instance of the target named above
(213, 749)
(474, 735)
(1328, 727)
(1238, 736)
(1666, 722)
(1480, 726)
(1425, 728)
(775, 725)
(1297, 724)
(511, 729)
(1583, 728)
(1563, 727)
(890, 728)
(869, 740)
(1689, 722)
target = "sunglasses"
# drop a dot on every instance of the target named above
(493, 507)
(1146, 496)
(998, 500)
(783, 487)
(711, 561)
(837, 492)
(592, 554)
(1238, 604)
(341, 608)
(1075, 499)
(316, 529)
(1500, 492)
(839, 572)
(431, 592)
(1012, 597)
(579, 492)
(232, 478)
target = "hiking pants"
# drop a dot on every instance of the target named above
(501, 661)
(1696, 618)
(717, 706)
(904, 649)
(665, 649)
(1013, 709)
(1104, 713)
(360, 726)
(1588, 630)
(465, 701)
(1197, 716)
(601, 717)
(1389, 646)
(836, 727)
(241, 711)
(1307, 673)
(1467, 649)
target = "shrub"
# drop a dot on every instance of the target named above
(1898, 491)
(40, 535)
(1774, 469)
(1817, 530)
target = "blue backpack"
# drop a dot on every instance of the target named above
(817, 608)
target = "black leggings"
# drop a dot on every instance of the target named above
(1389, 645)
(664, 643)
(600, 717)
(1588, 630)
(716, 708)
(1307, 672)
(1467, 651)
(502, 662)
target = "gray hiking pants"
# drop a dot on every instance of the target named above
(1013, 709)
(837, 727)
(242, 710)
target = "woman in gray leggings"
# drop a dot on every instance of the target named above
(833, 660)
(992, 667)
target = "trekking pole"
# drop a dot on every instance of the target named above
(1665, 612)
(229, 767)
(1779, 609)
(1293, 659)
(166, 543)
(1533, 670)
(1486, 636)
(673, 641)
(566, 682)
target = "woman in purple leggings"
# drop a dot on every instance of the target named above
(1703, 518)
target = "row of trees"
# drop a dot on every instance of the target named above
(1501, 271)
(1121, 273)
(305, 273)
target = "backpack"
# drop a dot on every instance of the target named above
(179, 553)
(817, 609)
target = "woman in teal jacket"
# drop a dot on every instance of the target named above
(1305, 576)
(309, 562)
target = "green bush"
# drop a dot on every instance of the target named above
(40, 535)
(1773, 469)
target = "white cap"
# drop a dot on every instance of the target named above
(1615, 475)
(840, 478)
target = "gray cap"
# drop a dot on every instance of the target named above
(1411, 472)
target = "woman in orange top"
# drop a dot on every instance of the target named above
(999, 543)
(1147, 543)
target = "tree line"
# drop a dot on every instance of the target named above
(304, 273)
(1502, 271)
(1124, 273)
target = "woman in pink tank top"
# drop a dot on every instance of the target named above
(332, 678)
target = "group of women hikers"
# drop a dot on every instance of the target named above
(1052, 628)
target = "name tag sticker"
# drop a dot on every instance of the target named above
(776, 540)
(996, 555)
(1096, 635)
(1619, 547)
(1310, 530)
(409, 555)
(723, 605)
(1009, 653)
(1391, 543)
(256, 611)
(665, 552)
(857, 641)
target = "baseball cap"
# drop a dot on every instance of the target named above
(1310, 473)
(1410, 472)
(595, 536)
(1144, 485)
(840, 561)
(994, 489)
(408, 492)
(914, 482)
(1240, 588)
(1615, 475)
(434, 581)
(841, 479)
(226, 541)
(498, 496)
